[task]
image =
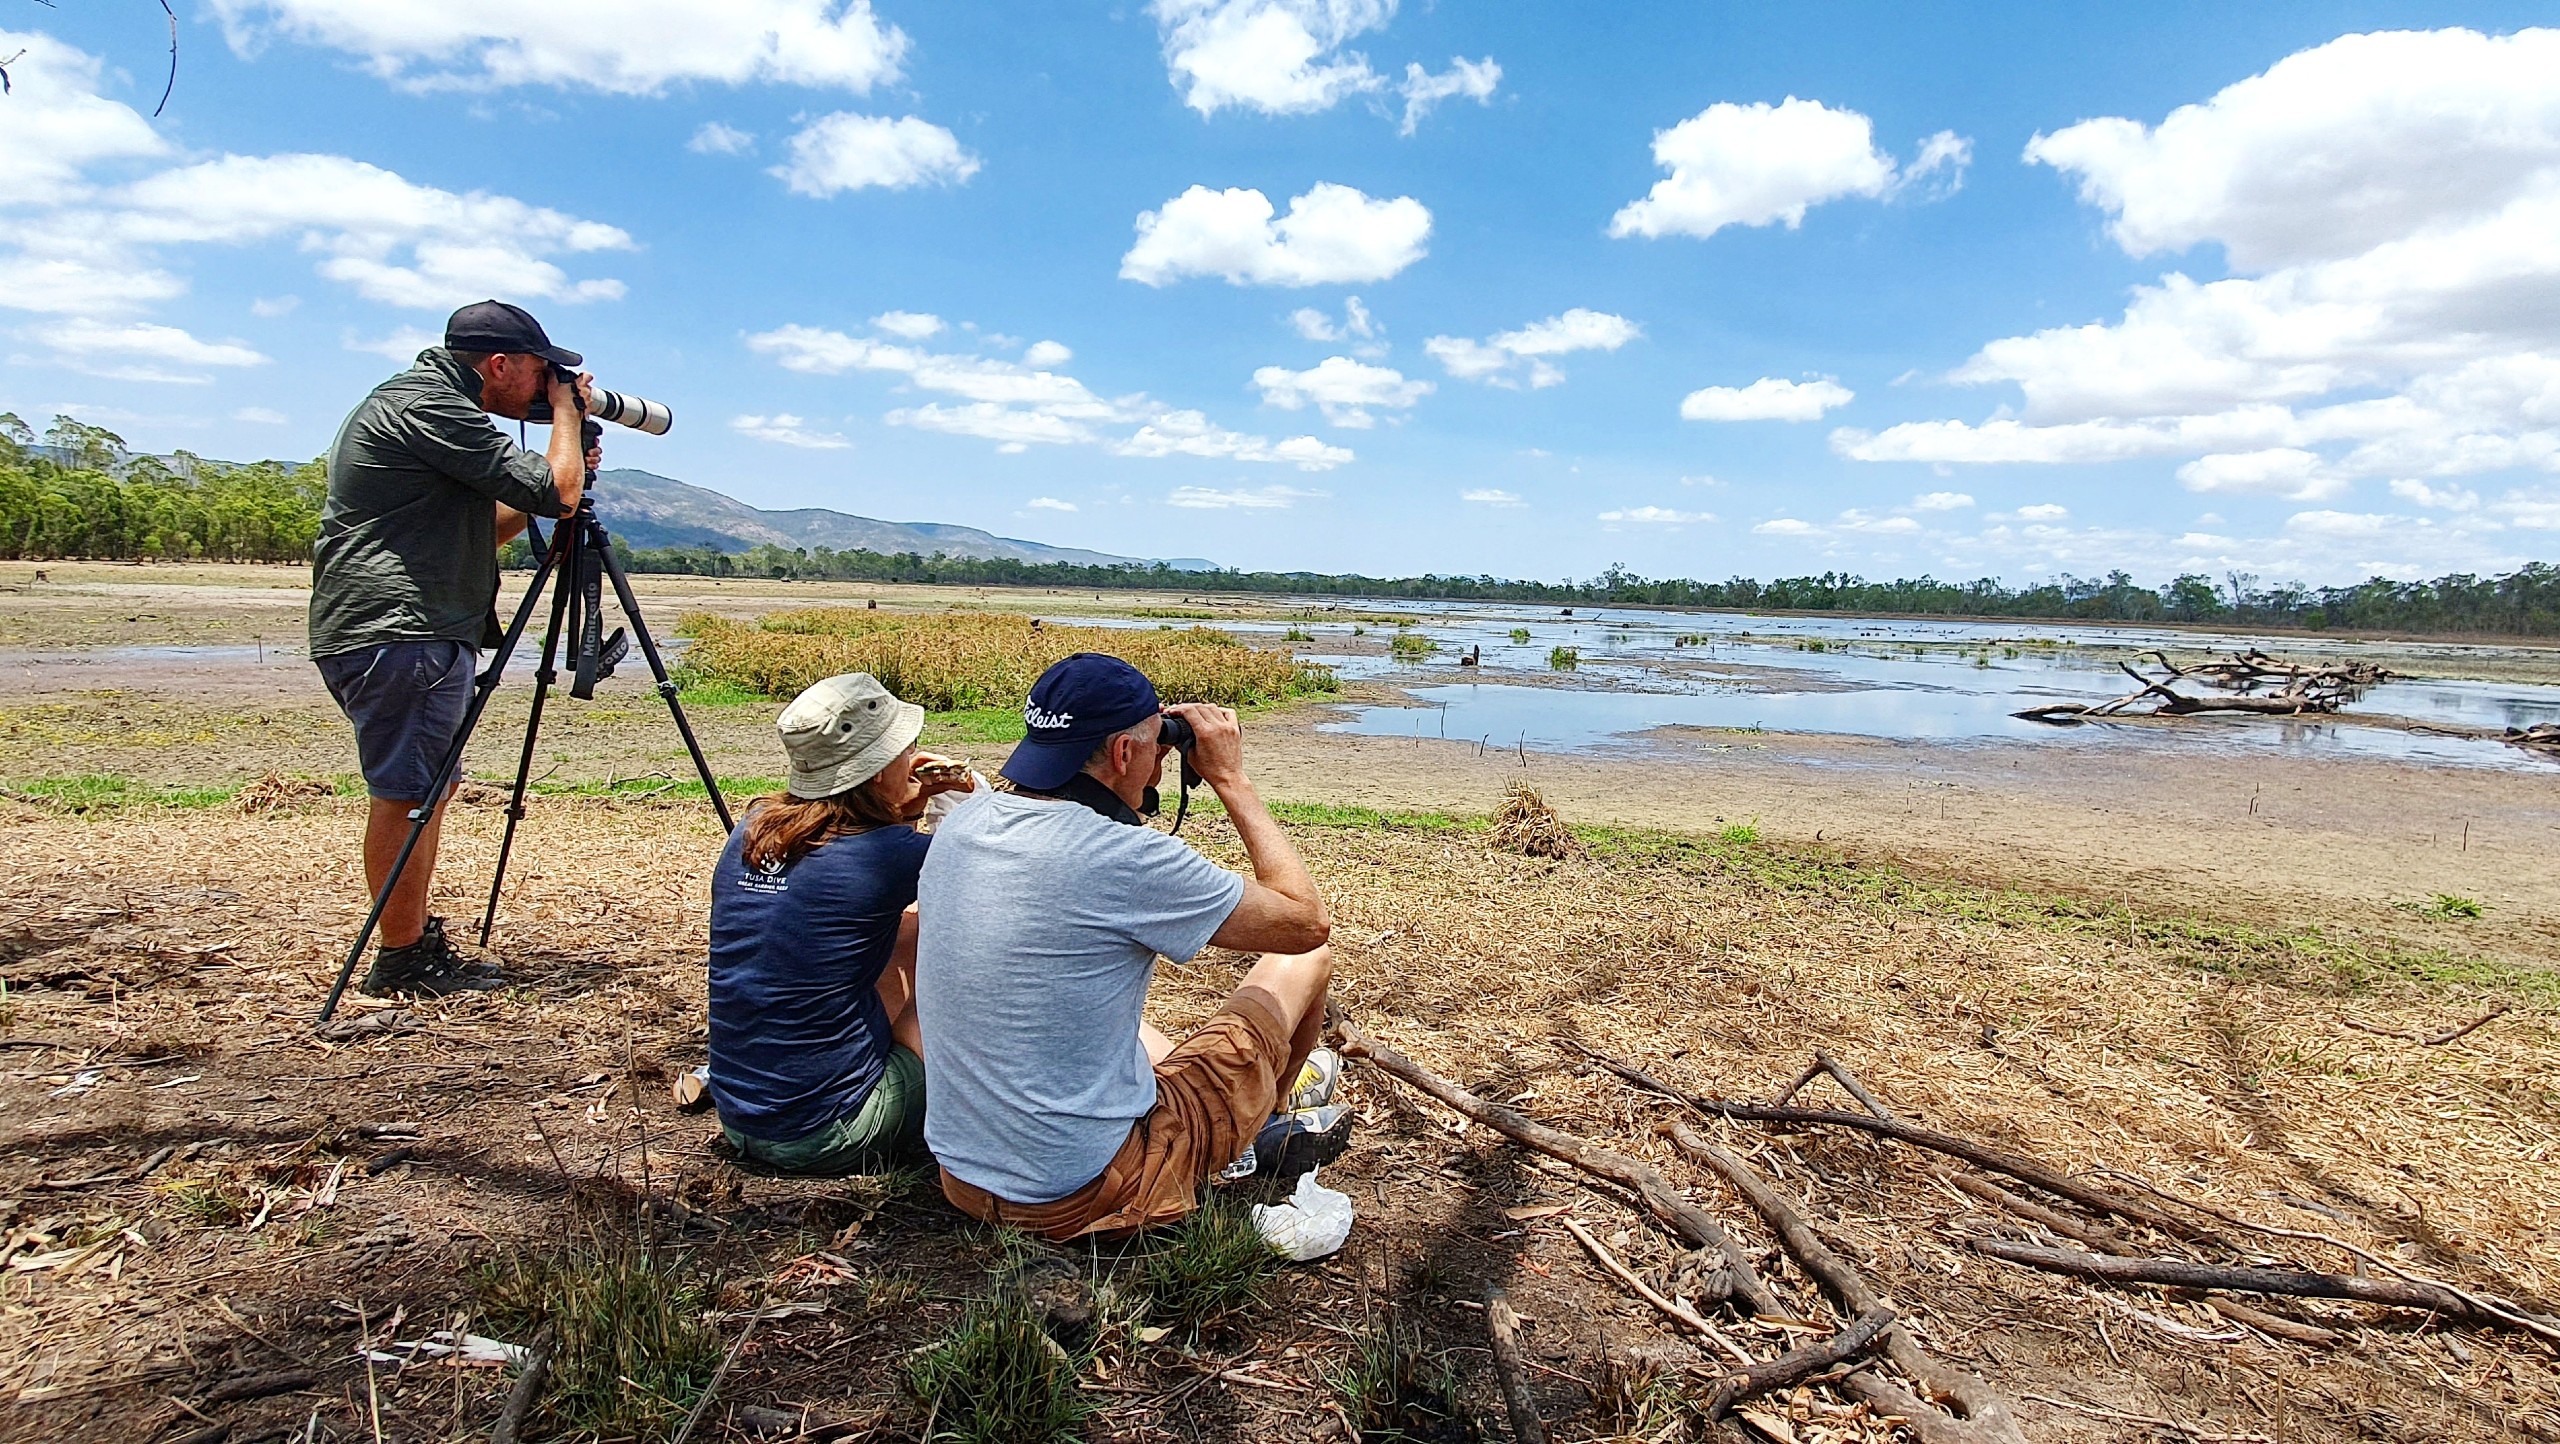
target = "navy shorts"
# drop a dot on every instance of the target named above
(407, 701)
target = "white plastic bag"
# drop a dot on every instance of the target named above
(1311, 1225)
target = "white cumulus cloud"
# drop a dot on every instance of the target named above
(1786, 526)
(1770, 398)
(1464, 79)
(1268, 498)
(718, 138)
(1332, 234)
(81, 338)
(1047, 353)
(1018, 405)
(1510, 358)
(1763, 164)
(847, 152)
(1049, 503)
(1280, 57)
(1941, 501)
(1315, 325)
(55, 123)
(787, 429)
(1491, 496)
(1343, 389)
(2383, 205)
(1662, 516)
(912, 325)
(602, 45)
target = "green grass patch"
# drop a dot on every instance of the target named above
(1411, 647)
(1741, 834)
(1209, 1265)
(974, 724)
(998, 1378)
(2452, 905)
(1564, 659)
(2303, 957)
(697, 691)
(634, 1350)
(1394, 1387)
(107, 792)
(1519, 636)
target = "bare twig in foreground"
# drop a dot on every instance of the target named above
(537, 1367)
(1504, 1325)
(2301, 1283)
(1672, 1309)
(2436, 1040)
(1982, 1155)
(1653, 1192)
(1985, 1414)
(1790, 1369)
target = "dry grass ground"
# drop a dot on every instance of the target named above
(327, 1194)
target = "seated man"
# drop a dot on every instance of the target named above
(1056, 1108)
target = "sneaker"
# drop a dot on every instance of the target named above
(1314, 1088)
(429, 968)
(1293, 1142)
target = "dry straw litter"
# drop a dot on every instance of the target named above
(1525, 824)
(951, 661)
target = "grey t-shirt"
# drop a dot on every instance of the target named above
(1040, 925)
(408, 548)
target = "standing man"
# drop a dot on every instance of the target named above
(404, 586)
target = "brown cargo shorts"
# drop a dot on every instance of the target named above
(1213, 1093)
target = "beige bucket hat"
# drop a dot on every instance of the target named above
(842, 731)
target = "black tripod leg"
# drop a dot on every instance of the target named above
(542, 680)
(658, 668)
(452, 765)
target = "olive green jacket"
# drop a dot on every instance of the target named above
(408, 547)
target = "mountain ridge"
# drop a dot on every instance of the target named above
(646, 509)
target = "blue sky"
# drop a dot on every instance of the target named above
(1353, 285)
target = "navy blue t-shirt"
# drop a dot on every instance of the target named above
(798, 1033)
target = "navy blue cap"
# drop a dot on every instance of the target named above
(1077, 703)
(497, 328)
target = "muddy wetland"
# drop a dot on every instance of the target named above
(2273, 992)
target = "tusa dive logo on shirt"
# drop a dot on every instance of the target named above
(767, 876)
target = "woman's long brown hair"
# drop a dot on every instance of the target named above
(782, 829)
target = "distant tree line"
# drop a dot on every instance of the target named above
(2523, 603)
(79, 492)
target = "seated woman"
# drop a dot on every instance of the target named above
(815, 1062)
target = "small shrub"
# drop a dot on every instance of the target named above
(1741, 833)
(1519, 636)
(206, 1202)
(2453, 905)
(1525, 824)
(998, 1378)
(1396, 1388)
(1564, 659)
(1210, 1265)
(1411, 647)
(1297, 634)
(1358, 630)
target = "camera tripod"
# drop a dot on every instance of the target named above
(576, 562)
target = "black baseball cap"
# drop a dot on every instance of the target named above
(498, 328)
(1077, 703)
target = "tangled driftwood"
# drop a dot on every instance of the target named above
(2238, 682)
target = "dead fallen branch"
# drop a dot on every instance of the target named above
(537, 1366)
(1790, 1369)
(2541, 737)
(2299, 1283)
(1982, 1155)
(1983, 1414)
(2430, 1040)
(2104, 1240)
(2300, 688)
(1653, 1192)
(1672, 1309)
(2273, 1325)
(1504, 1325)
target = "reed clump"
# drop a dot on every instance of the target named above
(952, 661)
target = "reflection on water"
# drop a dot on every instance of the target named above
(1935, 681)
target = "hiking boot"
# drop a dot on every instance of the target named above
(429, 968)
(1316, 1080)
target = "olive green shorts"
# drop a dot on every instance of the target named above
(890, 1122)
